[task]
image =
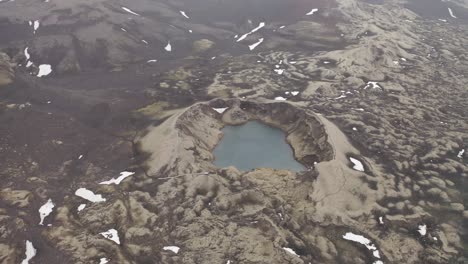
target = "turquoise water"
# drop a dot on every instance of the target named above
(255, 145)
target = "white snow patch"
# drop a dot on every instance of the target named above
(190, 31)
(89, 195)
(282, 27)
(30, 252)
(184, 14)
(36, 25)
(253, 46)
(26, 53)
(373, 85)
(45, 210)
(144, 41)
(123, 29)
(29, 64)
(381, 220)
(172, 248)
(122, 176)
(291, 251)
(126, 9)
(376, 253)
(357, 164)
(81, 207)
(313, 11)
(44, 70)
(168, 47)
(280, 98)
(262, 24)
(220, 110)
(364, 241)
(151, 61)
(360, 239)
(451, 12)
(111, 234)
(279, 71)
(460, 154)
(103, 260)
(80, 157)
(422, 229)
(295, 93)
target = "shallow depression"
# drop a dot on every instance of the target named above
(255, 145)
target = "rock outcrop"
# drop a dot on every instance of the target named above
(7, 73)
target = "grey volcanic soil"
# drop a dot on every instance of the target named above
(383, 82)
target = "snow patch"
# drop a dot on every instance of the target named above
(44, 70)
(279, 71)
(126, 9)
(422, 229)
(262, 24)
(460, 154)
(81, 207)
(357, 164)
(313, 11)
(103, 260)
(26, 53)
(291, 251)
(168, 47)
(112, 235)
(451, 12)
(45, 210)
(30, 252)
(373, 85)
(220, 110)
(184, 14)
(364, 241)
(253, 46)
(89, 195)
(151, 61)
(280, 98)
(35, 24)
(122, 176)
(172, 248)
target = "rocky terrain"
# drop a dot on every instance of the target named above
(110, 111)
